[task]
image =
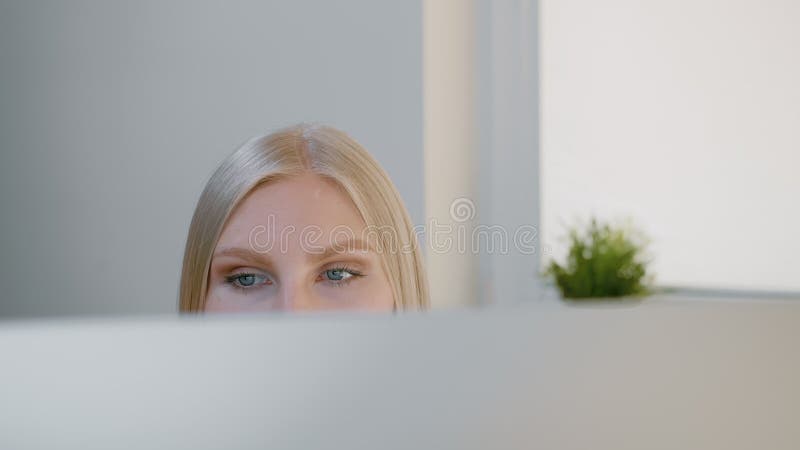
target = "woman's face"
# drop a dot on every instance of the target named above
(296, 244)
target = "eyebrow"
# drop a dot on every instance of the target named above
(344, 247)
(244, 254)
(338, 248)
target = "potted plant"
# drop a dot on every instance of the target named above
(603, 261)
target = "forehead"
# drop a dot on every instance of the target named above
(300, 201)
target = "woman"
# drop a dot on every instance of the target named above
(301, 219)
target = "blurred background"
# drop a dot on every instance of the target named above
(682, 116)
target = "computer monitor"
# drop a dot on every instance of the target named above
(653, 375)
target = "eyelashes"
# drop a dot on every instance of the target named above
(335, 276)
(340, 276)
(246, 280)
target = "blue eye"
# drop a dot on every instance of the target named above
(247, 280)
(340, 275)
(337, 274)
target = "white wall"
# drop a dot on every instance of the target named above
(450, 141)
(685, 116)
(481, 150)
(113, 115)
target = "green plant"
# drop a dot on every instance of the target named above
(603, 261)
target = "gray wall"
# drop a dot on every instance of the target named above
(114, 114)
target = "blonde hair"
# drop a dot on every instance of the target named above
(294, 150)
